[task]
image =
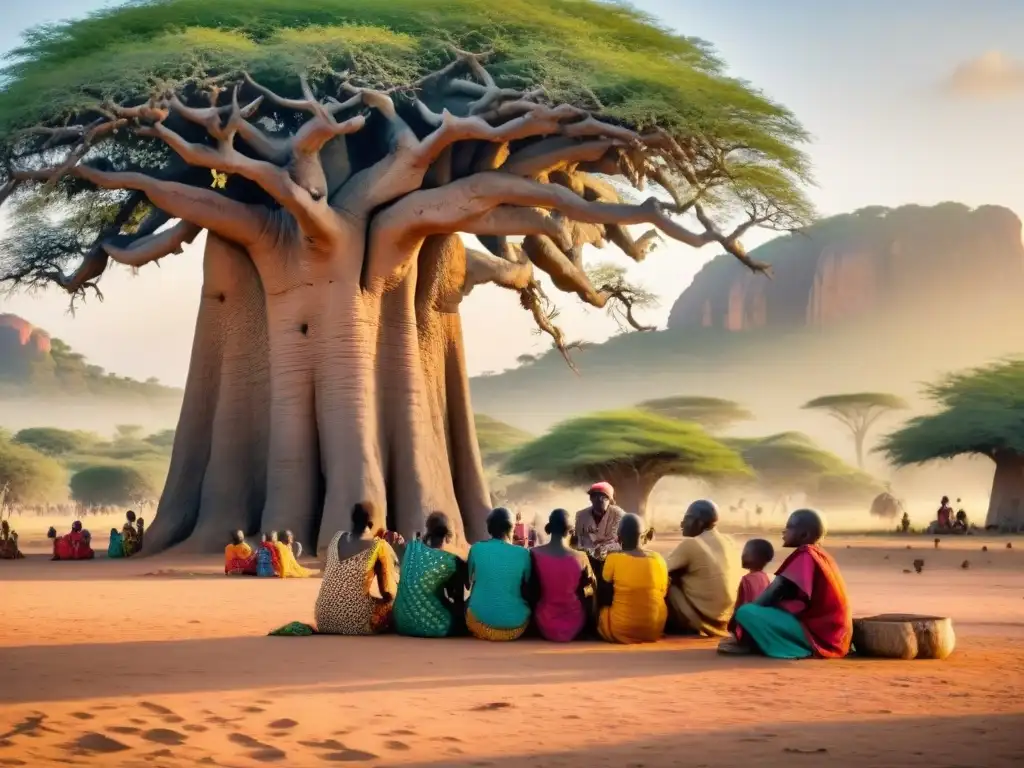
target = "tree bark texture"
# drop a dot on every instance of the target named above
(633, 487)
(307, 394)
(1006, 503)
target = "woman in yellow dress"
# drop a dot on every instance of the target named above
(290, 568)
(634, 585)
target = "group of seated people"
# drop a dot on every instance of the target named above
(273, 557)
(127, 541)
(948, 522)
(619, 590)
(9, 542)
(74, 545)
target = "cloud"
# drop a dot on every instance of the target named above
(993, 75)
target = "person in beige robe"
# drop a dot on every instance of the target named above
(705, 573)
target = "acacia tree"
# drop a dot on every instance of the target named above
(333, 150)
(630, 449)
(858, 412)
(712, 413)
(790, 463)
(980, 411)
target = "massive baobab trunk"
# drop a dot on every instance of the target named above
(1006, 504)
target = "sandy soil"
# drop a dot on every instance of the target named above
(163, 662)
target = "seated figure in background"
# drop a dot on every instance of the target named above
(130, 535)
(72, 546)
(239, 559)
(431, 599)
(267, 558)
(115, 547)
(9, 542)
(293, 544)
(499, 573)
(562, 584)
(287, 567)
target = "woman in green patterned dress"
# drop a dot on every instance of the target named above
(432, 594)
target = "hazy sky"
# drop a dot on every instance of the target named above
(908, 101)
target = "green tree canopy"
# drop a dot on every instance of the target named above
(30, 476)
(55, 442)
(791, 463)
(631, 449)
(497, 439)
(980, 411)
(111, 484)
(712, 413)
(858, 412)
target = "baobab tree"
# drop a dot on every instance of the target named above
(713, 413)
(981, 412)
(858, 412)
(333, 151)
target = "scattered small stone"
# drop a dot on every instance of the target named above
(909, 547)
(965, 564)
(1009, 545)
(984, 549)
(919, 565)
(937, 543)
(906, 570)
(886, 557)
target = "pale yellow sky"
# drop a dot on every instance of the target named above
(914, 102)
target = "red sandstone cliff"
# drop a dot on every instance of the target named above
(873, 261)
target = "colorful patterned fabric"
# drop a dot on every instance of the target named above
(9, 547)
(265, 560)
(293, 629)
(638, 611)
(420, 606)
(240, 560)
(346, 603)
(482, 631)
(559, 614)
(497, 572)
(73, 546)
(288, 567)
(129, 539)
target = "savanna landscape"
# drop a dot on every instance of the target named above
(452, 255)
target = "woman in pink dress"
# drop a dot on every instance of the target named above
(563, 583)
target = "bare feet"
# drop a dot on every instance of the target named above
(733, 647)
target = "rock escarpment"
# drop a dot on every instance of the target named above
(870, 263)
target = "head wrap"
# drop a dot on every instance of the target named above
(604, 489)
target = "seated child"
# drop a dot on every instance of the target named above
(140, 533)
(239, 559)
(805, 611)
(115, 549)
(757, 553)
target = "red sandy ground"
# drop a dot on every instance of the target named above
(161, 662)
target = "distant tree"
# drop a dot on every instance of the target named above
(631, 449)
(858, 412)
(111, 484)
(608, 287)
(497, 439)
(126, 433)
(55, 442)
(30, 476)
(162, 439)
(981, 411)
(526, 359)
(712, 413)
(790, 463)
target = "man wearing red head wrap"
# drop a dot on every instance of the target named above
(597, 526)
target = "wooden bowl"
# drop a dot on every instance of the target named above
(904, 636)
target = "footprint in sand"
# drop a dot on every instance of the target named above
(127, 730)
(12, 761)
(165, 736)
(156, 709)
(30, 726)
(349, 756)
(492, 706)
(264, 753)
(253, 710)
(397, 746)
(136, 720)
(195, 728)
(161, 753)
(401, 732)
(283, 724)
(82, 715)
(97, 742)
(330, 744)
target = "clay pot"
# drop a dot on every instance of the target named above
(904, 636)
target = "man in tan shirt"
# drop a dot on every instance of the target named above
(705, 572)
